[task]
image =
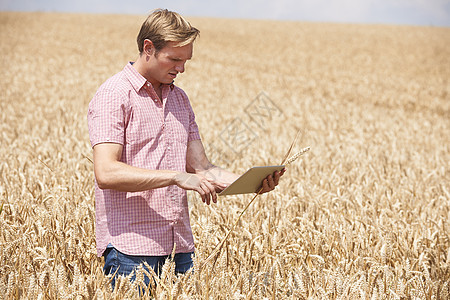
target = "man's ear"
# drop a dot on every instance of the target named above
(149, 48)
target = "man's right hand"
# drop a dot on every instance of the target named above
(198, 183)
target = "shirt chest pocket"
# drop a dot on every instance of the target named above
(179, 125)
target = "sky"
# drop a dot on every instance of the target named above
(407, 12)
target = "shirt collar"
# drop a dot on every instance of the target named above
(137, 80)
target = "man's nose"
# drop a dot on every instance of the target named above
(180, 68)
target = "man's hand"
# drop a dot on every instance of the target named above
(220, 178)
(271, 181)
(198, 163)
(198, 183)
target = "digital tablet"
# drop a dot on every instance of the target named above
(250, 181)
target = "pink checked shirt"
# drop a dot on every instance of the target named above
(154, 133)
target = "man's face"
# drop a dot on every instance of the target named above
(164, 66)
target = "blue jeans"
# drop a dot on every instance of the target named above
(114, 259)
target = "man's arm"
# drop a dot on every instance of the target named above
(111, 173)
(198, 163)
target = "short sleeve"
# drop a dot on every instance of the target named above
(193, 128)
(106, 117)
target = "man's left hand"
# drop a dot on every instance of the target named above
(271, 181)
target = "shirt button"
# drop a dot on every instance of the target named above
(168, 148)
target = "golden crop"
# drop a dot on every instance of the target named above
(363, 215)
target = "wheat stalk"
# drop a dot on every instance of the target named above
(218, 248)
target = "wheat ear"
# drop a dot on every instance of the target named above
(222, 242)
(297, 155)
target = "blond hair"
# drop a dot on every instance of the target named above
(163, 26)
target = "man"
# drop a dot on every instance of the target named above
(148, 152)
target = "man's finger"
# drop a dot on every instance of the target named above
(205, 188)
(211, 191)
(270, 182)
(201, 192)
(265, 186)
(276, 178)
(218, 184)
(205, 194)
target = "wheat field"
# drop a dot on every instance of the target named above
(363, 215)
